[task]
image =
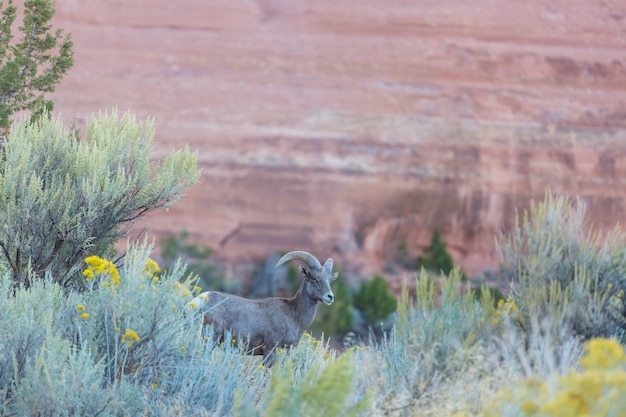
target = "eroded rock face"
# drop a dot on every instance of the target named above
(346, 128)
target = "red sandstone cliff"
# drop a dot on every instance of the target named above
(347, 127)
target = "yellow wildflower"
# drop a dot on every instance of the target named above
(84, 316)
(506, 309)
(567, 403)
(602, 354)
(115, 275)
(130, 336)
(100, 266)
(152, 268)
(80, 307)
(182, 289)
(192, 304)
(88, 274)
(155, 385)
(261, 366)
(592, 391)
(529, 407)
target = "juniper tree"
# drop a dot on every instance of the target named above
(34, 64)
(62, 199)
(375, 300)
(436, 258)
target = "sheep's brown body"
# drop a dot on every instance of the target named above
(270, 323)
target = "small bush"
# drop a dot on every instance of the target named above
(58, 373)
(374, 300)
(558, 269)
(63, 199)
(127, 335)
(323, 390)
(436, 259)
(598, 388)
(434, 334)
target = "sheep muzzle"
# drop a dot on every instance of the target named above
(328, 299)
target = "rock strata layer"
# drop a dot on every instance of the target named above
(347, 128)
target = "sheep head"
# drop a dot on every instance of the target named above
(318, 277)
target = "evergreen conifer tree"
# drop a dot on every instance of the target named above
(436, 259)
(374, 300)
(33, 65)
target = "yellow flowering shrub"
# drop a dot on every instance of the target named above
(598, 389)
(130, 336)
(603, 354)
(152, 269)
(507, 309)
(101, 267)
(81, 311)
(183, 290)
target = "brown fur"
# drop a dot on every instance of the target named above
(270, 323)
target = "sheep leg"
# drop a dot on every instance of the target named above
(269, 357)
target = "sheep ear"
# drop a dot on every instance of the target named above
(329, 265)
(335, 276)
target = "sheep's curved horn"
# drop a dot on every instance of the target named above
(300, 255)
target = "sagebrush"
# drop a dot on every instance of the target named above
(63, 199)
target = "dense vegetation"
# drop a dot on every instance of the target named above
(84, 334)
(123, 343)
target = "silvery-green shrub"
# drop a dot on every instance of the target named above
(64, 198)
(560, 267)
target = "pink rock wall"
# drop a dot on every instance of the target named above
(348, 127)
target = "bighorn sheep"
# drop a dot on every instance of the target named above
(270, 323)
